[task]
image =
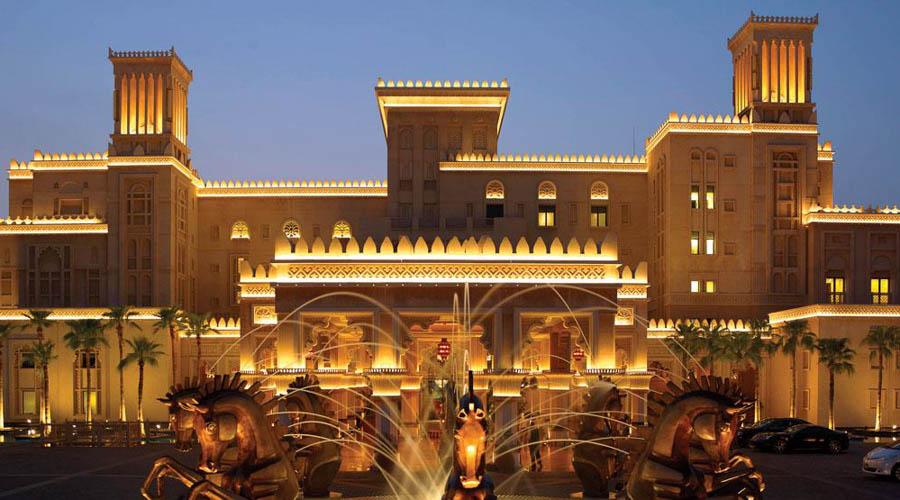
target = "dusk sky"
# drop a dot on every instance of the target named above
(285, 90)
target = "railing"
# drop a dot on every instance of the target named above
(104, 434)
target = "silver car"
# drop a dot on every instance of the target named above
(883, 461)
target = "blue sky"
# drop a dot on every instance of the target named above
(284, 90)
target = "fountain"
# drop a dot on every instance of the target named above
(249, 451)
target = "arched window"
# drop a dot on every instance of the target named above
(599, 191)
(546, 206)
(49, 286)
(138, 206)
(27, 209)
(493, 195)
(494, 190)
(240, 231)
(341, 230)
(291, 229)
(406, 139)
(547, 191)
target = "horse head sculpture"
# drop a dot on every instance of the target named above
(226, 412)
(601, 431)
(467, 477)
(316, 454)
(688, 453)
(181, 420)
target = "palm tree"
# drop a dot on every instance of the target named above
(881, 341)
(6, 331)
(715, 342)
(196, 325)
(143, 352)
(39, 320)
(168, 320)
(120, 317)
(41, 355)
(795, 335)
(86, 335)
(685, 344)
(748, 348)
(837, 356)
(759, 328)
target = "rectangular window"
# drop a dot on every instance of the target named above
(72, 206)
(834, 289)
(728, 205)
(626, 213)
(804, 360)
(728, 161)
(710, 286)
(710, 243)
(265, 231)
(520, 210)
(695, 286)
(804, 400)
(881, 290)
(546, 215)
(897, 399)
(710, 197)
(695, 243)
(873, 398)
(599, 215)
(695, 196)
(729, 248)
(573, 213)
(493, 210)
(873, 359)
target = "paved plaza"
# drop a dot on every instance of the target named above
(32, 472)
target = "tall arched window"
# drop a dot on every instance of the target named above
(291, 229)
(546, 194)
(341, 230)
(27, 209)
(494, 193)
(138, 206)
(87, 361)
(240, 231)
(599, 204)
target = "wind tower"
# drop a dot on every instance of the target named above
(772, 57)
(150, 109)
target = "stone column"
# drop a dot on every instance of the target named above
(602, 340)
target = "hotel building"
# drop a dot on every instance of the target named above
(538, 271)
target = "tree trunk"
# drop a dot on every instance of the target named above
(756, 408)
(878, 396)
(200, 374)
(830, 399)
(794, 384)
(45, 396)
(172, 352)
(88, 412)
(140, 398)
(2, 391)
(122, 416)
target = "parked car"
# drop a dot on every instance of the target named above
(802, 437)
(883, 461)
(744, 434)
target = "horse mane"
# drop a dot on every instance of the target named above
(225, 385)
(190, 387)
(719, 389)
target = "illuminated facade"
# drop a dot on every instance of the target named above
(538, 270)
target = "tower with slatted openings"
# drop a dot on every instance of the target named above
(150, 104)
(772, 57)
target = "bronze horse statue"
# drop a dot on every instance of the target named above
(315, 453)
(601, 424)
(227, 413)
(688, 453)
(468, 480)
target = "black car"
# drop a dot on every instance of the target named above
(802, 437)
(743, 436)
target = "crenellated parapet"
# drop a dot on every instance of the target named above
(57, 224)
(662, 328)
(468, 260)
(446, 84)
(825, 152)
(727, 124)
(553, 162)
(852, 214)
(302, 188)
